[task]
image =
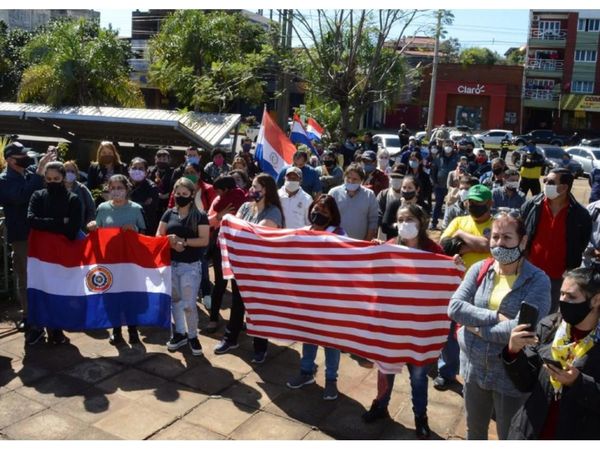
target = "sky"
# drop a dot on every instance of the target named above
(497, 30)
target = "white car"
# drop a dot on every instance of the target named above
(494, 137)
(588, 157)
(389, 142)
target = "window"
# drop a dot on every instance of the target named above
(585, 55)
(582, 87)
(548, 27)
(588, 25)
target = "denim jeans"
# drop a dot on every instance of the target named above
(440, 194)
(205, 285)
(479, 404)
(418, 385)
(332, 361)
(449, 362)
(185, 278)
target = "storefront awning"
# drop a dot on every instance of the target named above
(138, 126)
(580, 102)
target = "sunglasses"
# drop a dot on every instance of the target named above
(510, 212)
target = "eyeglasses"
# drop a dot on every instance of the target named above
(510, 212)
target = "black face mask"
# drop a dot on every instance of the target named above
(477, 210)
(408, 195)
(162, 165)
(183, 201)
(574, 313)
(318, 219)
(24, 162)
(54, 188)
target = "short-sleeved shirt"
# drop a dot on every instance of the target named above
(468, 225)
(549, 247)
(248, 213)
(129, 214)
(180, 228)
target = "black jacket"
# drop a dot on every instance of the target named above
(579, 227)
(97, 174)
(579, 413)
(145, 194)
(57, 213)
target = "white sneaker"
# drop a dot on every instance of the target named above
(207, 301)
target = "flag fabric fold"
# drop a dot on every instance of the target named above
(384, 302)
(108, 279)
(274, 150)
(313, 129)
(298, 135)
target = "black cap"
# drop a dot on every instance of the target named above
(17, 149)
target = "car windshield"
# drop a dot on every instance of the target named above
(392, 142)
(596, 154)
(554, 152)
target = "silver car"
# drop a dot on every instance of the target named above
(588, 157)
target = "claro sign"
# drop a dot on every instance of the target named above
(477, 90)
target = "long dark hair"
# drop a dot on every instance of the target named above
(422, 217)
(327, 201)
(271, 195)
(193, 218)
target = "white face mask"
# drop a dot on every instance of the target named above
(384, 162)
(137, 174)
(396, 183)
(434, 150)
(512, 184)
(408, 230)
(551, 191)
(291, 186)
(70, 177)
(463, 194)
(447, 150)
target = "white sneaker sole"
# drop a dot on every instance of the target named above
(177, 345)
(306, 383)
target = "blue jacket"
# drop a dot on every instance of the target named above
(441, 168)
(15, 192)
(480, 360)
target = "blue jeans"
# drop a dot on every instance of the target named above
(185, 278)
(449, 362)
(440, 194)
(418, 386)
(332, 361)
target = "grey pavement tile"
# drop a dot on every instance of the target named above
(131, 383)
(268, 426)
(92, 405)
(14, 375)
(304, 405)
(317, 435)
(181, 430)
(125, 354)
(442, 419)
(172, 398)
(345, 422)
(219, 415)
(254, 392)
(94, 370)
(208, 379)
(134, 421)
(169, 365)
(15, 407)
(92, 433)
(46, 425)
(53, 389)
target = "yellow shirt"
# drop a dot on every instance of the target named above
(502, 285)
(468, 225)
(530, 172)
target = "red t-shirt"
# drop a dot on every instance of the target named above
(549, 247)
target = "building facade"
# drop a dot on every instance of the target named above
(30, 19)
(561, 87)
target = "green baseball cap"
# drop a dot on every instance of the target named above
(479, 193)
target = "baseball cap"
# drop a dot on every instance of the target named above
(479, 193)
(369, 155)
(295, 170)
(17, 149)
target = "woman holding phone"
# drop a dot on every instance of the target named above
(559, 365)
(487, 304)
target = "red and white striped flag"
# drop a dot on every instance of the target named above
(384, 302)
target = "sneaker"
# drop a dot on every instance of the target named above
(177, 341)
(259, 357)
(441, 384)
(376, 412)
(57, 337)
(422, 427)
(300, 380)
(116, 339)
(195, 346)
(33, 335)
(207, 301)
(330, 392)
(134, 338)
(223, 347)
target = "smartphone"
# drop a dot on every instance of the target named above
(552, 362)
(528, 314)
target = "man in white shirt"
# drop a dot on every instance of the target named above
(294, 200)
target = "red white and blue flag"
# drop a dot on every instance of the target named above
(110, 278)
(313, 129)
(384, 302)
(298, 135)
(274, 150)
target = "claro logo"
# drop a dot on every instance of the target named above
(477, 90)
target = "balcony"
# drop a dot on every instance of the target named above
(544, 67)
(540, 98)
(547, 38)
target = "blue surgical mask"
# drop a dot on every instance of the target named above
(413, 164)
(351, 186)
(369, 167)
(193, 160)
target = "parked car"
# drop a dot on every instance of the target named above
(390, 142)
(553, 156)
(542, 137)
(588, 157)
(591, 142)
(493, 137)
(420, 135)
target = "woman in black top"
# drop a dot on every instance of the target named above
(187, 229)
(56, 210)
(108, 163)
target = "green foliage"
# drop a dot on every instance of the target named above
(449, 51)
(209, 59)
(478, 55)
(12, 64)
(76, 63)
(516, 57)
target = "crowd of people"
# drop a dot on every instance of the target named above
(542, 377)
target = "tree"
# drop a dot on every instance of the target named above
(12, 64)
(208, 59)
(478, 55)
(516, 57)
(346, 61)
(449, 51)
(75, 63)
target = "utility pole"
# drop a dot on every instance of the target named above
(430, 110)
(283, 103)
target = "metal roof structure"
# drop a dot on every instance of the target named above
(140, 126)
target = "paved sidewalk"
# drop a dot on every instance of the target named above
(90, 390)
